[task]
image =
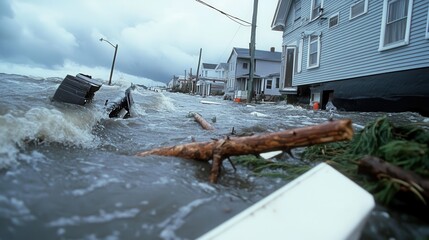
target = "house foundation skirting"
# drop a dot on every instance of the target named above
(400, 91)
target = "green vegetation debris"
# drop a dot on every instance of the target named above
(405, 146)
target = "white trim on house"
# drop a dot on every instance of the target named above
(294, 47)
(299, 58)
(297, 66)
(356, 4)
(387, 4)
(337, 15)
(283, 64)
(297, 11)
(318, 8)
(316, 40)
(427, 26)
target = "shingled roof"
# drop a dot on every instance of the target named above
(209, 66)
(259, 54)
(225, 66)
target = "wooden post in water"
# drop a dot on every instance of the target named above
(200, 120)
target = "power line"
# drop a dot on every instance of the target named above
(233, 18)
(229, 44)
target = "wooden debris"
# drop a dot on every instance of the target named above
(203, 123)
(218, 150)
(407, 180)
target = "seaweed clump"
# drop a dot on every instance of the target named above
(385, 159)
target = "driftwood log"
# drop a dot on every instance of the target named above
(203, 123)
(409, 181)
(218, 150)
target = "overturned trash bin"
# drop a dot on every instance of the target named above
(77, 90)
(80, 90)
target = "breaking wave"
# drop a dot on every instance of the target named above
(40, 125)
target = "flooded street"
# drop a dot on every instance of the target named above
(70, 172)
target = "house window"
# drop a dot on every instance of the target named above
(396, 22)
(313, 52)
(269, 83)
(358, 8)
(277, 82)
(297, 10)
(316, 8)
(245, 65)
(427, 27)
(334, 20)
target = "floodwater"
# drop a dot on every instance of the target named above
(70, 172)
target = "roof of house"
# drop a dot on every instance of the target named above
(209, 66)
(259, 54)
(247, 76)
(272, 75)
(224, 66)
(279, 19)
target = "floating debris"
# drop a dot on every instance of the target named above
(403, 148)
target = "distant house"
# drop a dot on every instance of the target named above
(222, 70)
(208, 70)
(183, 84)
(271, 84)
(266, 62)
(363, 55)
(173, 84)
(212, 80)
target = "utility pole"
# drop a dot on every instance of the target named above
(190, 81)
(252, 52)
(198, 67)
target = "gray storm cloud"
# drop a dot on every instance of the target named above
(157, 39)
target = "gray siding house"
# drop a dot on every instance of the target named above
(266, 62)
(211, 80)
(271, 84)
(364, 55)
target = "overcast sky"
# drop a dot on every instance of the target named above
(157, 38)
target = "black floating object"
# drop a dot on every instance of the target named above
(121, 107)
(77, 90)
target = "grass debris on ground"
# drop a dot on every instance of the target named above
(404, 146)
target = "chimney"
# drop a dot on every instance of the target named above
(273, 49)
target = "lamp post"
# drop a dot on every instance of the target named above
(114, 57)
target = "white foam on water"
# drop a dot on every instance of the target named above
(175, 221)
(153, 101)
(165, 103)
(163, 180)
(287, 107)
(205, 187)
(101, 217)
(258, 114)
(98, 184)
(15, 210)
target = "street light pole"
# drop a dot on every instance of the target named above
(114, 58)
